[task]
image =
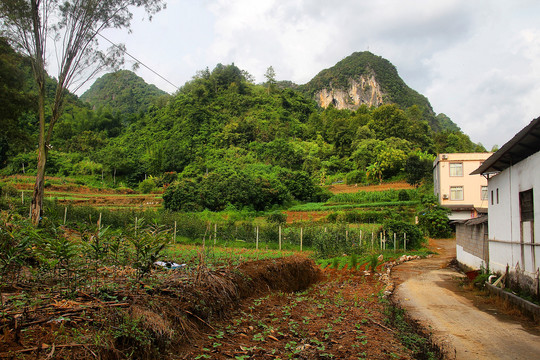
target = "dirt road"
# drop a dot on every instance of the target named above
(468, 325)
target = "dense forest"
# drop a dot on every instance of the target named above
(222, 140)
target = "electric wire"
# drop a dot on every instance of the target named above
(137, 60)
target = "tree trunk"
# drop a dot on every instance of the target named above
(39, 193)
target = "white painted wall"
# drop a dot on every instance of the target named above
(504, 217)
(468, 259)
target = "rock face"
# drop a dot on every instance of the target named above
(363, 90)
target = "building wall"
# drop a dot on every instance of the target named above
(505, 231)
(471, 245)
(472, 184)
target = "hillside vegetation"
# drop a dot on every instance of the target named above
(220, 134)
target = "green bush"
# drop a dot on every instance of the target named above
(433, 218)
(415, 238)
(147, 186)
(356, 177)
(403, 195)
(277, 218)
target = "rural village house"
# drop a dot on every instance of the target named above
(513, 175)
(466, 195)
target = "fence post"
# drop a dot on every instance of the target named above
(257, 241)
(360, 239)
(279, 237)
(99, 222)
(394, 242)
(215, 233)
(174, 236)
(372, 240)
(301, 237)
(65, 215)
(405, 241)
(381, 242)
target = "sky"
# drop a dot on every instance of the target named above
(476, 61)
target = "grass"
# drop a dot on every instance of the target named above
(221, 256)
(357, 260)
(326, 207)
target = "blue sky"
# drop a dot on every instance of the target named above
(476, 61)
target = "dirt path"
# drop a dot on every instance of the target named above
(467, 324)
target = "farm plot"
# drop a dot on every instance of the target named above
(71, 193)
(340, 317)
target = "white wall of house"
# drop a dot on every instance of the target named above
(468, 259)
(512, 242)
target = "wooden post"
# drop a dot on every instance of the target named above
(372, 240)
(405, 241)
(381, 241)
(23, 168)
(257, 240)
(394, 242)
(215, 233)
(346, 236)
(135, 226)
(301, 238)
(65, 215)
(279, 237)
(99, 222)
(325, 229)
(360, 239)
(174, 235)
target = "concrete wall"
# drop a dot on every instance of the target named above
(471, 245)
(505, 228)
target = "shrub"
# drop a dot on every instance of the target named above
(403, 195)
(415, 238)
(87, 167)
(277, 218)
(433, 218)
(147, 186)
(356, 177)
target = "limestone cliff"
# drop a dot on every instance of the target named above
(363, 90)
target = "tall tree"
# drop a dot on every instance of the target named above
(270, 76)
(73, 27)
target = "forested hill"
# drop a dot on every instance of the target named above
(123, 91)
(220, 132)
(365, 78)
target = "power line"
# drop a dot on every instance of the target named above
(137, 60)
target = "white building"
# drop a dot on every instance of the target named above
(513, 175)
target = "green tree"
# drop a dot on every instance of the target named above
(72, 28)
(417, 169)
(270, 76)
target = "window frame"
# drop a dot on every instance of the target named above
(453, 189)
(484, 193)
(452, 166)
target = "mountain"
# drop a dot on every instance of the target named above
(123, 91)
(367, 79)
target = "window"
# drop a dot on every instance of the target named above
(456, 169)
(456, 193)
(526, 205)
(484, 193)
